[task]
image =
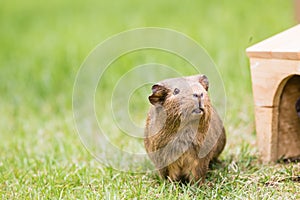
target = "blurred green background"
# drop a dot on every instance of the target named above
(43, 44)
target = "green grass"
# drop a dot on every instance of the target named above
(42, 46)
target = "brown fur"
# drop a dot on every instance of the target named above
(183, 132)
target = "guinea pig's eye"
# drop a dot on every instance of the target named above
(176, 91)
(201, 95)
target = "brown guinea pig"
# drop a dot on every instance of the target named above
(183, 131)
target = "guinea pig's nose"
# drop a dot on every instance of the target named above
(196, 95)
(199, 97)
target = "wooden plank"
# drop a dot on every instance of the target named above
(267, 79)
(266, 132)
(285, 45)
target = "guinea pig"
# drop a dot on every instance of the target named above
(183, 132)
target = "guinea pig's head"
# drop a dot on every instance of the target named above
(185, 97)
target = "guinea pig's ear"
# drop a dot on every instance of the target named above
(203, 80)
(159, 94)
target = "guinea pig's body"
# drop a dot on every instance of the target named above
(183, 131)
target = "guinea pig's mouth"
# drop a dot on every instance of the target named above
(198, 111)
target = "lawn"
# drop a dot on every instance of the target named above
(43, 45)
